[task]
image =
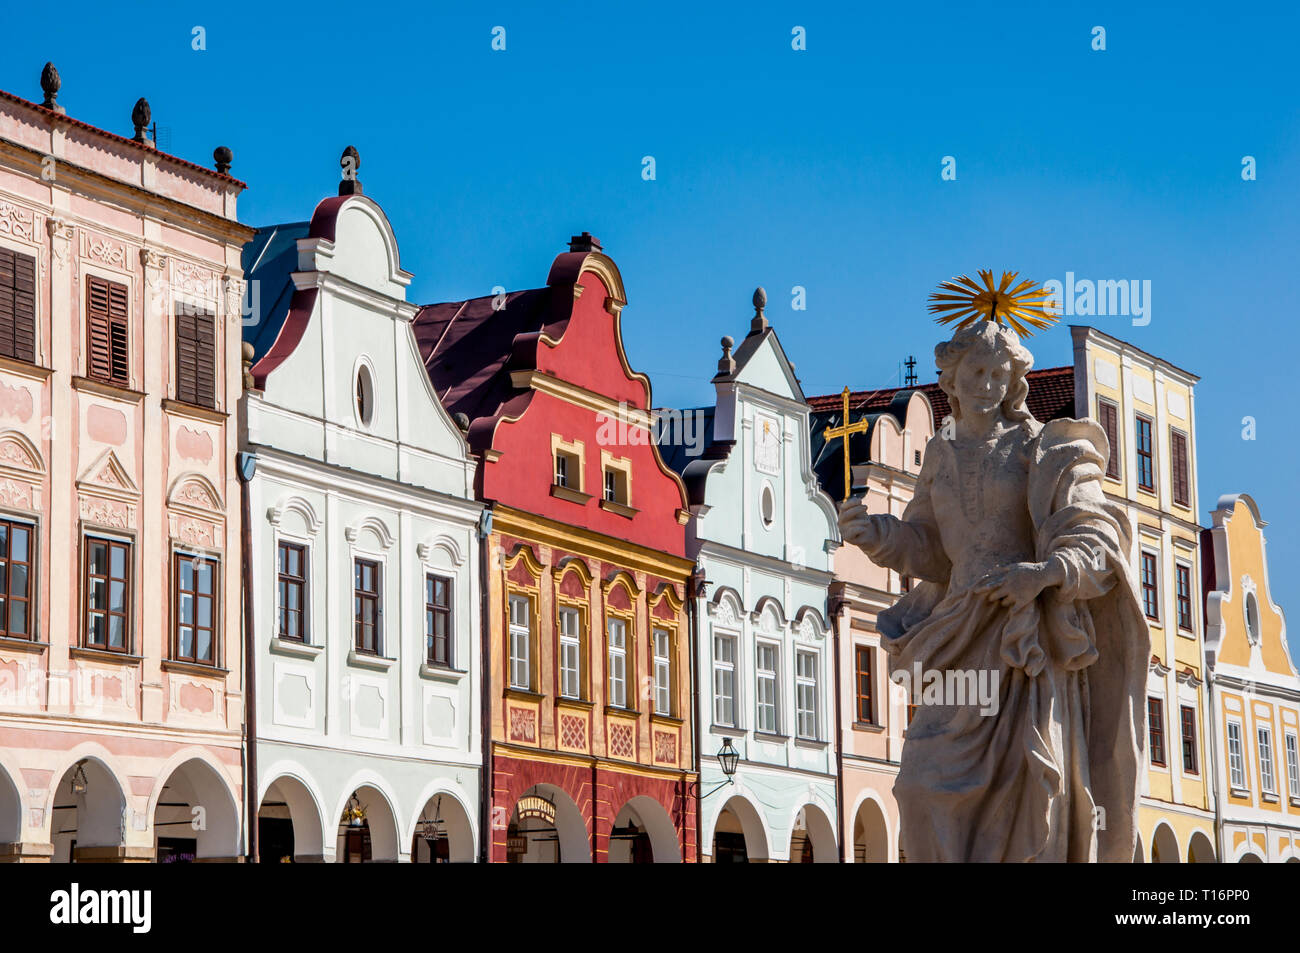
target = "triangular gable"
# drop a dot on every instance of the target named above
(761, 362)
(107, 476)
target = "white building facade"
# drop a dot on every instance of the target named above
(364, 554)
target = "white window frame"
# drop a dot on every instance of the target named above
(1264, 742)
(725, 669)
(521, 633)
(570, 652)
(807, 683)
(769, 678)
(663, 662)
(616, 660)
(1237, 758)
(1293, 763)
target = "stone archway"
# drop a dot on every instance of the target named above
(1164, 846)
(89, 817)
(443, 832)
(196, 816)
(370, 838)
(644, 833)
(11, 810)
(546, 827)
(870, 834)
(739, 836)
(812, 837)
(1138, 856)
(1250, 858)
(289, 824)
(1200, 850)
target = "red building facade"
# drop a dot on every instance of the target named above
(587, 648)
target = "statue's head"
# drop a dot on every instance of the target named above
(984, 366)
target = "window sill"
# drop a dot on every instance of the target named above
(524, 694)
(811, 743)
(622, 509)
(1269, 798)
(563, 701)
(1186, 633)
(105, 389)
(294, 647)
(28, 369)
(193, 668)
(662, 719)
(619, 710)
(197, 411)
(441, 673)
(104, 655)
(735, 731)
(1295, 801)
(867, 726)
(771, 737)
(13, 643)
(362, 660)
(570, 494)
(1240, 792)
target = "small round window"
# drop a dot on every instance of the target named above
(365, 396)
(1252, 617)
(767, 504)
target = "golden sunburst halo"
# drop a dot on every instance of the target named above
(1022, 306)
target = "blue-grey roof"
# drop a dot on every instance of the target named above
(268, 260)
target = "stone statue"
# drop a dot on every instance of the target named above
(1025, 583)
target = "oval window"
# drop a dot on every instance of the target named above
(767, 505)
(1252, 617)
(365, 396)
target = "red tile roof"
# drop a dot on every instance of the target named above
(1051, 395)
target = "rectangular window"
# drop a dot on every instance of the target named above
(521, 644)
(1150, 585)
(1188, 714)
(16, 558)
(724, 680)
(570, 652)
(195, 616)
(108, 354)
(561, 469)
(1266, 759)
(866, 707)
(1293, 765)
(17, 305)
(1236, 756)
(1145, 462)
(291, 569)
(611, 486)
(1108, 417)
(1178, 465)
(107, 586)
(1183, 575)
(663, 656)
(765, 689)
(805, 689)
(1156, 730)
(437, 620)
(196, 357)
(365, 606)
(617, 656)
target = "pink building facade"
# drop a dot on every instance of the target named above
(121, 704)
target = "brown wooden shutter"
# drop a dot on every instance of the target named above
(196, 339)
(1110, 423)
(17, 305)
(107, 331)
(1178, 459)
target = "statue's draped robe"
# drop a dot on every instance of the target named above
(1069, 730)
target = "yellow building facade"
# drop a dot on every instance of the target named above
(1254, 692)
(1147, 407)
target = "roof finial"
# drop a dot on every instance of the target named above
(50, 83)
(910, 380)
(140, 116)
(222, 156)
(760, 322)
(350, 162)
(584, 242)
(727, 363)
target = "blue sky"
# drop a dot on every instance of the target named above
(818, 169)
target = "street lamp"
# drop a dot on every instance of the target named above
(79, 783)
(355, 813)
(432, 830)
(729, 760)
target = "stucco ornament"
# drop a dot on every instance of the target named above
(1025, 587)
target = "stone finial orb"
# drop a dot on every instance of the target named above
(759, 323)
(350, 163)
(462, 421)
(222, 156)
(140, 116)
(728, 342)
(50, 83)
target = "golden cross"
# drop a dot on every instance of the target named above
(846, 431)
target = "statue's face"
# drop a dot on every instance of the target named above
(982, 381)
